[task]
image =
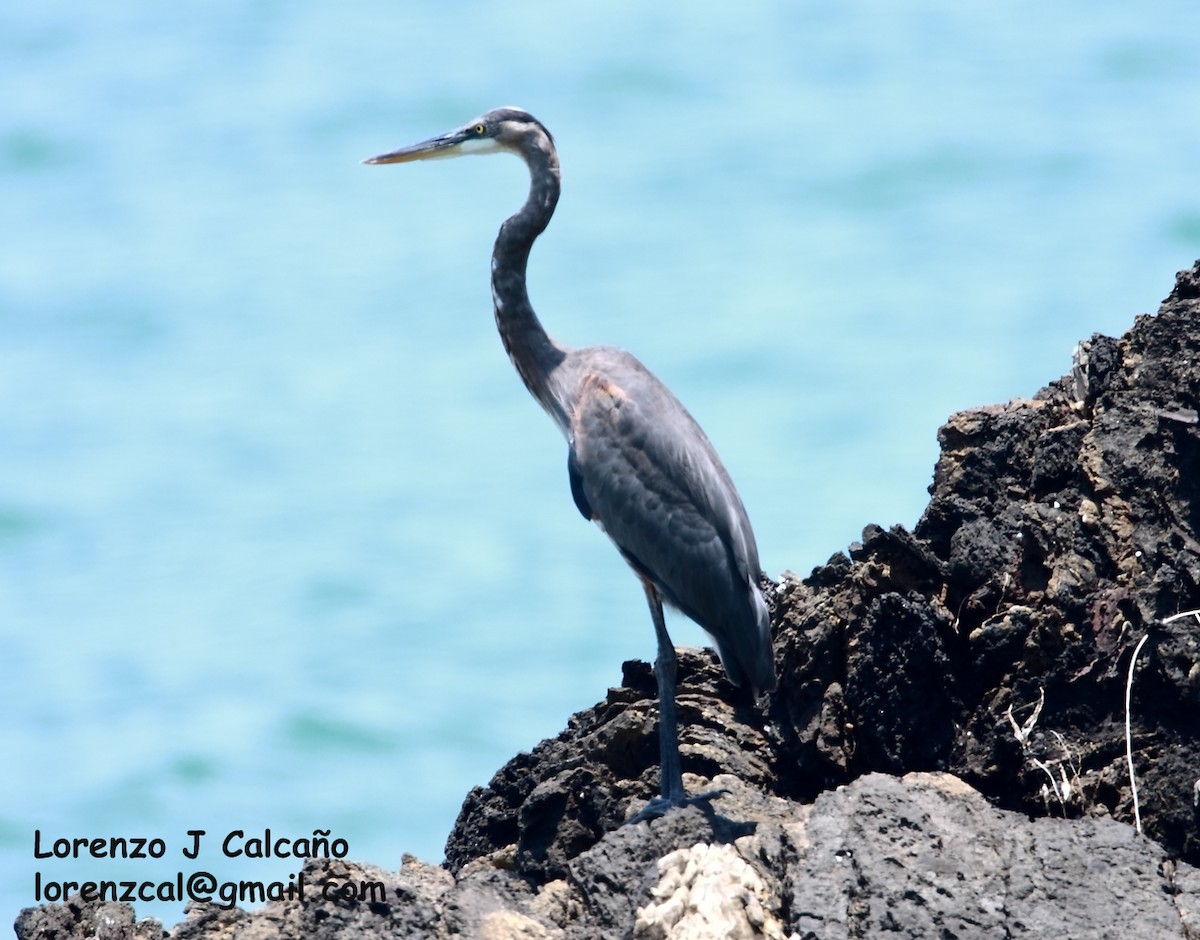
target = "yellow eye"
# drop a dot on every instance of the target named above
(479, 130)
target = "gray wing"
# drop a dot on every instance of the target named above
(643, 469)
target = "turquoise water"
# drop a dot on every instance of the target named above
(283, 541)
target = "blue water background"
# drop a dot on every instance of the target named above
(283, 541)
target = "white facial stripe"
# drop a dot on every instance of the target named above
(479, 145)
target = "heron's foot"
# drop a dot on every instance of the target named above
(659, 806)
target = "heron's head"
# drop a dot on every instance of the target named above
(504, 129)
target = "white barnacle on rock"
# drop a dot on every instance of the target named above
(707, 891)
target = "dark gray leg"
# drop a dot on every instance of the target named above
(671, 768)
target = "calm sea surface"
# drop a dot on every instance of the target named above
(283, 541)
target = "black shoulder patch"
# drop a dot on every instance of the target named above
(576, 479)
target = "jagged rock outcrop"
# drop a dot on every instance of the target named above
(919, 856)
(946, 754)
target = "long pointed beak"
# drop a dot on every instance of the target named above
(435, 148)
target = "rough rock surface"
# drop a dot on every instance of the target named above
(946, 754)
(919, 856)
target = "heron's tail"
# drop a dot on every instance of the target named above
(746, 651)
(761, 675)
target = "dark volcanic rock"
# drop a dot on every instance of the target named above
(992, 645)
(919, 856)
(556, 802)
(1062, 530)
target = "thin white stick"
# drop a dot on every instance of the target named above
(1137, 815)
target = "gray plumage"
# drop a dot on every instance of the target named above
(638, 463)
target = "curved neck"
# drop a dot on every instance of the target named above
(534, 354)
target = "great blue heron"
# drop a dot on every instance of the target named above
(638, 463)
